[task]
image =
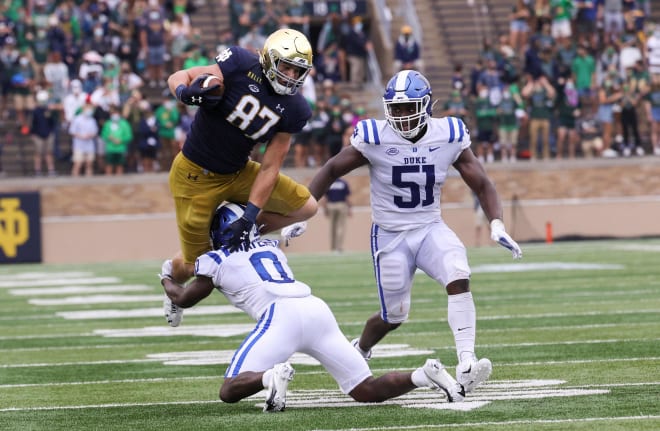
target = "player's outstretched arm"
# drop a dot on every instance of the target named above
(344, 162)
(197, 289)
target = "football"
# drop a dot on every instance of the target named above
(207, 80)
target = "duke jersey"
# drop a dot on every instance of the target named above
(252, 279)
(406, 178)
(250, 113)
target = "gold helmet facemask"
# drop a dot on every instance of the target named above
(292, 48)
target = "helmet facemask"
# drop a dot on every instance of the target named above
(407, 117)
(407, 103)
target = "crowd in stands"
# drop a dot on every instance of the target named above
(571, 78)
(95, 71)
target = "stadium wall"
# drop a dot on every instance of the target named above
(106, 219)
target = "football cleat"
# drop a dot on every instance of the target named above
(471, 374)
(442, 381)
(366, 355)
(276, 392)
(293, 231)
(173, 313)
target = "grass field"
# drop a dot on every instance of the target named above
(573, 331)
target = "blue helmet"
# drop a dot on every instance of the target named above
(407, 103)
(226, 214)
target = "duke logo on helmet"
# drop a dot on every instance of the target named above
(226, 214)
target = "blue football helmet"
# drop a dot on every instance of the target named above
(226, 214)
(407, 103)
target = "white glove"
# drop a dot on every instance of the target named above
(173, 313)
(166, 270)
(293, 231)
(499, 235)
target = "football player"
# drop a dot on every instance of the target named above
(409, 155)
(259, 105)
(258, 280)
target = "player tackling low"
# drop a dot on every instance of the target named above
(409, 156)
(258, 280)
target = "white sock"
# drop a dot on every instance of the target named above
(265, 378)
(462, 318)
(419, 378)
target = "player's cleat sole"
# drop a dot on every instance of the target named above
(442, 381)
(279, 382)
(472, 374)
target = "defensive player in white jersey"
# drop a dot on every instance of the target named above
(290, 319)
(409, 155)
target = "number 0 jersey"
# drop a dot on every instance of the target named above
(250, 112)
(406, 178)
(251, 280)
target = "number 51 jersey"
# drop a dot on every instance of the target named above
(406, 177)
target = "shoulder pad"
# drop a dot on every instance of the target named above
(457, 130)
(367, 131)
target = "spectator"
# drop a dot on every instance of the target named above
(612, 19)
(148, 138)
(540, 94)
(167, 117)
(562, 14)
(590, 132)
(295, 17)
(334, 131)
(357, 46)
(635, 89)
(43, 130)
(568, 109)
(91, 71)
(318, 152)
(253, 40)
(337, 207)
(653, 112)
(519, 25)
(490, 79)
(584, 70)
(179, 37)
(458, 80)
(508, 124)
(609, 94)
(84, 131)
(195, 58)
(330, 59)
(153, 43)
(456, 106)
(8, 58)
(485, 113)
(56, 75)
(117, 135)
(23, 79)
(653, 51)
(407, 53)
(586, 21)
(270, 17)
(73, 101)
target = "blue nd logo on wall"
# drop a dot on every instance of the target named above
(20, 227)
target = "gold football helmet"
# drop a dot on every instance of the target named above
(286, 47)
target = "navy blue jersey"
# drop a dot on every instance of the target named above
(250, 113)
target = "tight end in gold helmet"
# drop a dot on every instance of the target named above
(286, 60)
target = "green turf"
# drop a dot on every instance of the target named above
(572, 349)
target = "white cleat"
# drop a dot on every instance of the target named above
(173, 313)
(279, 382)
(293, 231)
(471, 374)
(442, 381)
(356, 343)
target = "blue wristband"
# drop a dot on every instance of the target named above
(179, 90)
(251, 211)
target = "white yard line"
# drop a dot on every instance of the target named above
(502, 423)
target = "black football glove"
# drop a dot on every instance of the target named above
(238, 234)
(194, 94)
